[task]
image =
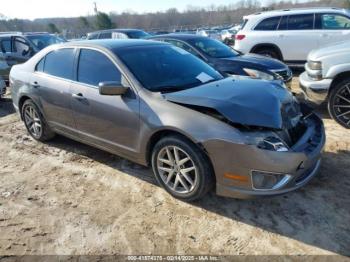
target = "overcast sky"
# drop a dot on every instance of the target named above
(32, 9)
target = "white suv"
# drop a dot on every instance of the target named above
(289, 35)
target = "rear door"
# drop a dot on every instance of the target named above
(108, 121)
(332, 28)
(296, 36)
(52, 80)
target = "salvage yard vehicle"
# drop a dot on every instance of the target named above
(18, 47)
(228, 61)
(195, 128)
(118, 34)
(289, 35)
(2, 87)
(327, 79)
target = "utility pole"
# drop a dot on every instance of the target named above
(95, 8)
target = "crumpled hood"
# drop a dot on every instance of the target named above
(244, 101)
(258, 60)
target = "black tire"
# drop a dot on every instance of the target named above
(46, 133)
(340, 96)
(205, 175)
(268, 52)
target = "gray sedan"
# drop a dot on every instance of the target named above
(158, 105)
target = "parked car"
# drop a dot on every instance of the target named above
(17, 48)
(228, 61)
(118, 34)
(228, 36)
(327, 79)
(2, 87)
(214, 34)
(289, 35)
(177, 114)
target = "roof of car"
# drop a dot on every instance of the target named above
(183, 37)
(297, 11)
(116, 30)
(112, 43)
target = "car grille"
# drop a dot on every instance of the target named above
(285, 74)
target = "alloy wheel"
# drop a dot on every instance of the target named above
(177, 170)
(341, 105)
(33, 121)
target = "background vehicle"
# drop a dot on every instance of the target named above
(228, 36)
(290, 35)
(17, 48)
(176, 114)
(327, 79)
(118, 34)
(228, 61)
(214, 34)
(2, 87)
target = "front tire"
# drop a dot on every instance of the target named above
(35, 122)
(182, 168)
(339, 103)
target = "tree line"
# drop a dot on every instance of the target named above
(169, 20)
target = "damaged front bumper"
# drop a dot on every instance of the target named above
(236, 165)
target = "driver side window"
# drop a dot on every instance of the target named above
(21, 47)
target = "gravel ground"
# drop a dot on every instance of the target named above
(63, 197)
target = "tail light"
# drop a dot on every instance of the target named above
(240, 37)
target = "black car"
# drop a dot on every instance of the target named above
(229, 61)
(17, 48)
(118, 34)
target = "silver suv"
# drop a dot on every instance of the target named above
(327, 78)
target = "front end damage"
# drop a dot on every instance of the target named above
(272, 159)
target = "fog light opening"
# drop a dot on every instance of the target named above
(268, 181)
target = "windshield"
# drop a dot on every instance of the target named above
(213, 48)
(137, 34)
(42, 41)
(166, 68)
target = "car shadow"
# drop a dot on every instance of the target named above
(6, 107)
(317, 215)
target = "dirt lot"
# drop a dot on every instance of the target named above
(67, 198)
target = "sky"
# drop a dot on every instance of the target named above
(31, 9)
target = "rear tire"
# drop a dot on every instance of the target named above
(35, 122)
(339, 103)
(182, 168)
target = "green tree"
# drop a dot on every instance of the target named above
(53, 28)
(103, 21)
(84, 22)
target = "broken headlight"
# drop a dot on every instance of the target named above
(273, 144)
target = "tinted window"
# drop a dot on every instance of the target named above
(301, 22)
(105, 35)
(166, 68)
(182, 45)
(137, 34)
(95, 67)
(92, 36)
(40, 66)
(21, 47)
(60, 63)
(44, 40)
(6, 45)
(269, 24)
(283, 25)
(213, 48)
(332, 22)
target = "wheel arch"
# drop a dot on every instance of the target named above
(21, 101)
(338, 79)
(159, 134)
(269, 46)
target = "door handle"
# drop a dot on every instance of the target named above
(35, 84)
(78, 96)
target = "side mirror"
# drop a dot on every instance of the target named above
(112, 89)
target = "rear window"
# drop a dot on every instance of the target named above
(243, 24)
(301, 22)
(105, 35)
(60, 63)
(269, 24)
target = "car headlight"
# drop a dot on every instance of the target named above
(273, 144)
(259, 74)
(315, 65)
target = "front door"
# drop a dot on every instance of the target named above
(108, 121)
